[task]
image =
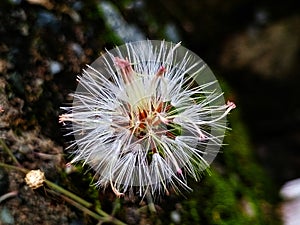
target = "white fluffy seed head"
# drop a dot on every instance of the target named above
(145, 115)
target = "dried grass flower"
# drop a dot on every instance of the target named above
(35, 179)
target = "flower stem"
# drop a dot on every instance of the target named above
(151, 205)
(82, 204)
(13, 167)
(68, 193)
(8, 151)
(77, 205)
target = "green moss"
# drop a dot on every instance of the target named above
(238, 190)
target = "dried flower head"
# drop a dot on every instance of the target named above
(145, 115)
(35, 178)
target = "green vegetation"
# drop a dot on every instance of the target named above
(238, 190)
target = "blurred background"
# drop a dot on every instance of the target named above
(252, 47)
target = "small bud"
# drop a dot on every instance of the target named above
(35, 178)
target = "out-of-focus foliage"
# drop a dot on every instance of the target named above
(238, 191)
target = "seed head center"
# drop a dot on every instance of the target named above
(146, 120)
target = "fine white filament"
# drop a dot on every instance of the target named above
(145, 115)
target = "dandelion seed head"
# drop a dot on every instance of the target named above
(145, 115)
